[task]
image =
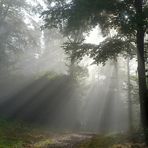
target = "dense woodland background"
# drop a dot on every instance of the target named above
(54, 75)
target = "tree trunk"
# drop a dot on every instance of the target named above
(129, 97)
(141, 67)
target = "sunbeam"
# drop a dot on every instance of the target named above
(73, 74)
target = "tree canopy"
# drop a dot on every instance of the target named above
(76, 17)
(84, 15)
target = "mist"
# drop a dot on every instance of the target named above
(42, 85)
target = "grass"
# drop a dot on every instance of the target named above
(10, 143)
(19, 135)
(42, 143)
(115, 141)
(98, 142)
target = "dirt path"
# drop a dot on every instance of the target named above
(69, 140)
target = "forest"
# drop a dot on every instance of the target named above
(73, 73)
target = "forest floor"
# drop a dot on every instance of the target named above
(19, 135)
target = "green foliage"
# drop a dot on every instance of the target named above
(77, 72)
(110, 48)
(84, 15)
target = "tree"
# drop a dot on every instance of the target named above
(16, 38)
(129, 18)
(129, 95)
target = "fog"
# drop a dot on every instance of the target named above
(39, 85)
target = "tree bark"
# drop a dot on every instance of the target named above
(129, 96)
(141, 67)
